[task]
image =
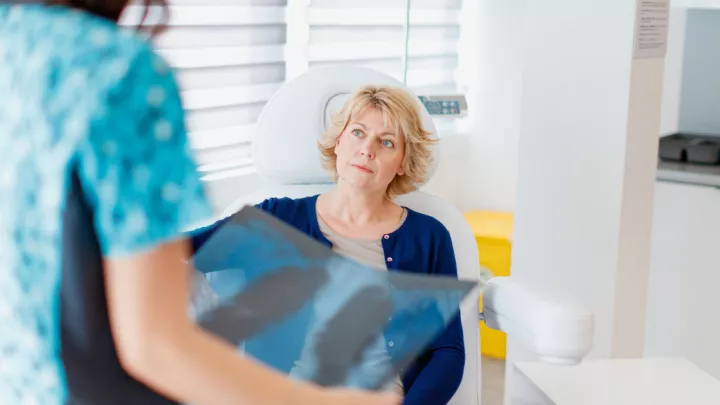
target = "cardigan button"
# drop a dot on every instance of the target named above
(389, 259)
(386, 237)
(391, 343)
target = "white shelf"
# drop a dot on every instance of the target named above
(624, 382)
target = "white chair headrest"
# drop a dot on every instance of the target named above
(291, 123)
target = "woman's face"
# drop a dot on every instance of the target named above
(369, 155)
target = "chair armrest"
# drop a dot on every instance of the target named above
(556, 333)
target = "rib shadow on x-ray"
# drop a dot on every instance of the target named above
(348, 334)
(249, 308)
(292, 303)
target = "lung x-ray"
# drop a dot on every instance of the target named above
(290, 302)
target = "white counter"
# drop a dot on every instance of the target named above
(624, 382)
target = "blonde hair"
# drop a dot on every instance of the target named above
(400, 111)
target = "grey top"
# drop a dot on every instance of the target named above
(369, 252)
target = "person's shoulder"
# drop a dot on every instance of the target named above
(425, 221)
(428, 225)
(289, 209)
(125, 57)
(274, 203)
(90, 57)
(434, 238)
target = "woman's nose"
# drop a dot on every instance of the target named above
(368, 149)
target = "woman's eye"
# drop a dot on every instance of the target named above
(356, 132)
(387, 143)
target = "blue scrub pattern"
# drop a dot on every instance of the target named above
(78, 95)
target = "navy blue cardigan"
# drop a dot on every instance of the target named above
(422, 244)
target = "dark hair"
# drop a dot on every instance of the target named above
(113, 9)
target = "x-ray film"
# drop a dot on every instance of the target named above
(290, 302)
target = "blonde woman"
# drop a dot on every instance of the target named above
(377, 149)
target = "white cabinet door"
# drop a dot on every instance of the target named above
(684, 287)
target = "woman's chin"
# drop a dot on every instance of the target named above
(358, 184)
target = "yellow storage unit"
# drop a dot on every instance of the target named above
(493, 234)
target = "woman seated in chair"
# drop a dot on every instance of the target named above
(376, 149)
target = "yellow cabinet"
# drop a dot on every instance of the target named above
(493, 234)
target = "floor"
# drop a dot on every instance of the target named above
(493, 381)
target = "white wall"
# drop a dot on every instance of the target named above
(451, 178)
(494, 71)
(494, 102)
(494, 96)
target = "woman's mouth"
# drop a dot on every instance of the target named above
(362, 168)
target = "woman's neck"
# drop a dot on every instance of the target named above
(354, 207)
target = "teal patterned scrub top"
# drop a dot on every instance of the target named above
(94, 162)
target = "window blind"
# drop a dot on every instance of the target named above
(371, 33)
(232, 55)
(229, 56)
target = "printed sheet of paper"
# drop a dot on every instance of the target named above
(292, 303)
(651, 28)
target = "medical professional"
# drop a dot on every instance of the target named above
(376, 149)
(96, 182)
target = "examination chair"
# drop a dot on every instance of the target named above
(287, 158)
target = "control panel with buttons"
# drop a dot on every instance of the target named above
(444, 105)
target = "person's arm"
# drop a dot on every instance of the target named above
(140, 180)
(158, 344)
(440, 377)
